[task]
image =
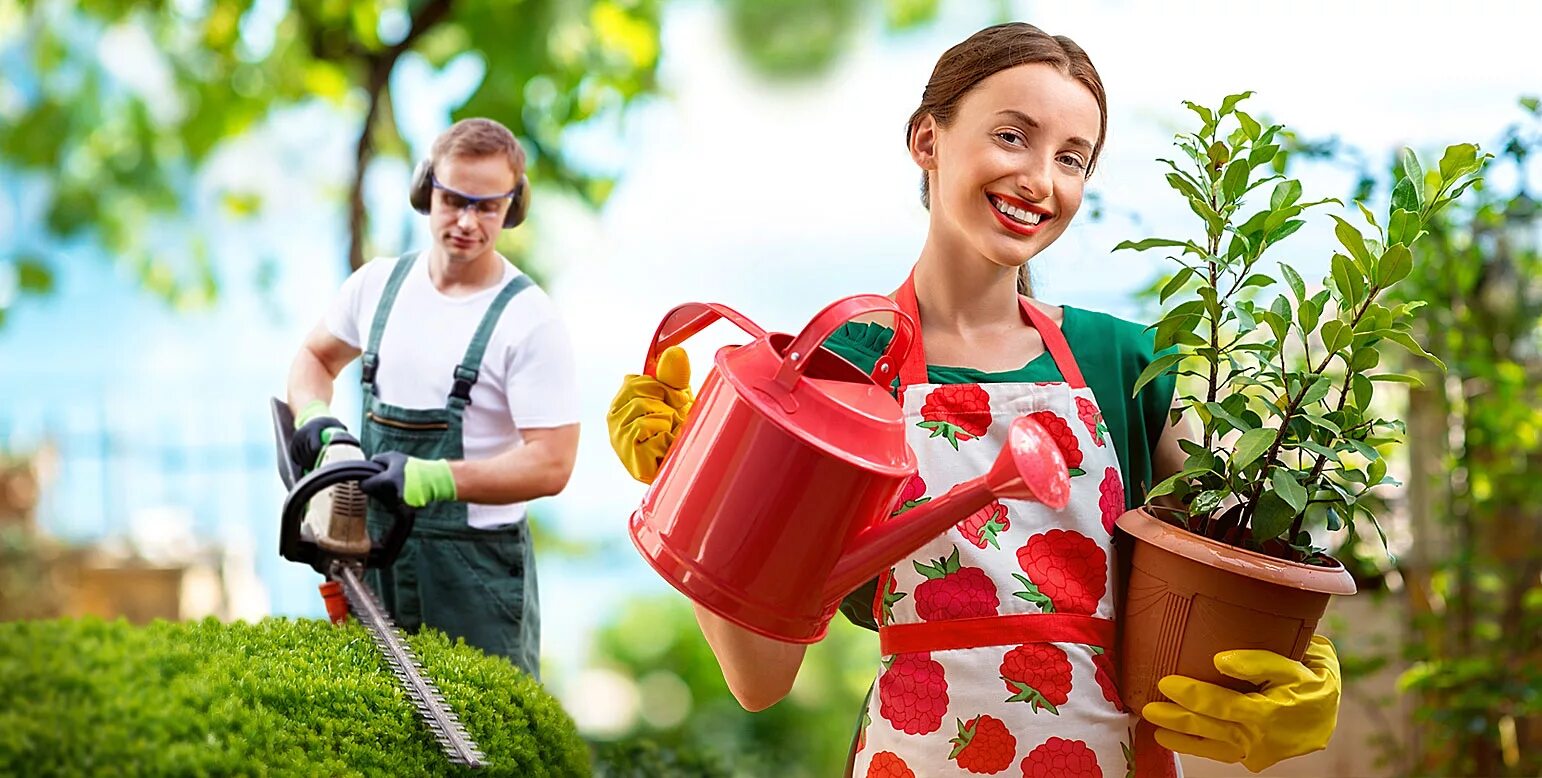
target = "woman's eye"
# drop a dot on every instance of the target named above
(1072, 161)
(1009, 136)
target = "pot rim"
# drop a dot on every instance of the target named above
(1140, 524)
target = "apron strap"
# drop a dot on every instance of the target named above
(1007, 630)
(382, 312)
(469, 368)
(913, 370)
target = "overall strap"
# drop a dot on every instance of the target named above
(913, 371)
(382, 312)
(467, 371)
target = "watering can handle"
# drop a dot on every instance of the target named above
(686, 320)
(833, 317)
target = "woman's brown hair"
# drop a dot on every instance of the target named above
(991, 51)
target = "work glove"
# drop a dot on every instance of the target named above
(415, 482)
(648, 412)
(315, 429)
(1293, 713)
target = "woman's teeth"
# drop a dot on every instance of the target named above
(1016, 214)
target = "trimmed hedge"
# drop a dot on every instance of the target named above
(279, 697)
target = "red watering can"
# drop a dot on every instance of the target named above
(774, 501)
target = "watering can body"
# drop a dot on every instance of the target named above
(774, 500)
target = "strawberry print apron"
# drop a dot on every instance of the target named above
(996, 636)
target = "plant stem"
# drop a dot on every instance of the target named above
(1279, 437)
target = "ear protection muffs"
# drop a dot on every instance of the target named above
(422, 192)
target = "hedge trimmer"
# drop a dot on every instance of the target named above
(323, 526)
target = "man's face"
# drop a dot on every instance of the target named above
(466, 228)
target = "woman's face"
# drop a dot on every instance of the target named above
(1007, 173)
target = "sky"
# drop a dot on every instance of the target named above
(772, 198)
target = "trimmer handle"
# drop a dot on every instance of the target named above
(301, 489)
(296, 549)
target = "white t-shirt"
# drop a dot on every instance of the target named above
(526, 379)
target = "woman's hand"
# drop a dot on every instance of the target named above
(648, 412)
(1294, 712)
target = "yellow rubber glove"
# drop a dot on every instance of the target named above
(1293, 713)
(647, 414)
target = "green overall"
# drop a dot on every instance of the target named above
(469, 583)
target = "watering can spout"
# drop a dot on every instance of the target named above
(1029, 467)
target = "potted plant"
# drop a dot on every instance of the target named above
(1221, 556)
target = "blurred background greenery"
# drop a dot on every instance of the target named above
(219, 165)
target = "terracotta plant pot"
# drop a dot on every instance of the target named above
(1187, 598)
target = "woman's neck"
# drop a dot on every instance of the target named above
(958, 291)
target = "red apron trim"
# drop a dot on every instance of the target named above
(912, 371)
(995, 631)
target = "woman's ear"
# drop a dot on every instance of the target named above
(923, 143)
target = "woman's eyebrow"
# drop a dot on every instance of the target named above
(1029, 121)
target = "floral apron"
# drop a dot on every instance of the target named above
(996, 636)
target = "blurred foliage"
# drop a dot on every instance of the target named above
(685, 703)
(643, 758)
(120, 105)
(1474, 586)
(279, 697)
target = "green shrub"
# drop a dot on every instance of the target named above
(279, 697)
(644, 758)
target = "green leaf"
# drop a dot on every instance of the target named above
(1150, 243)
(1350, 284)
(1406, 341)
(1307, 314)
(1175, 284)
(1261, 154)
(1250, 126)
(1289, 490)
(1285, 193)
(1272, 517)
(1235, 181)
(1167, 486)
(1376, 471)
(1458, 160)
(1351, 238)
(1257, 279)
(1218, 155)
(1403, 227)
(1204, 113)
(1365, 359)
(1412, 169)
(1207, 501)
(1394, 266)
(1361, 390)
(1221, 413)
(1319, 420)
(1251, 446)
(1404, 196)
(1185, 187)
(1285, 230)
(1335, 335)
(1158, 366)
(1370, 218)
(1432, 184)
(1297, 285)
(1231, 102)
(1399, 378)
(1318, 390)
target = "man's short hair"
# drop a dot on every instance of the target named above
(477, 138)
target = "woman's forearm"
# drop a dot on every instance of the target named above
(759, 670)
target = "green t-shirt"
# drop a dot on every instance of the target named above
(1111, 352)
